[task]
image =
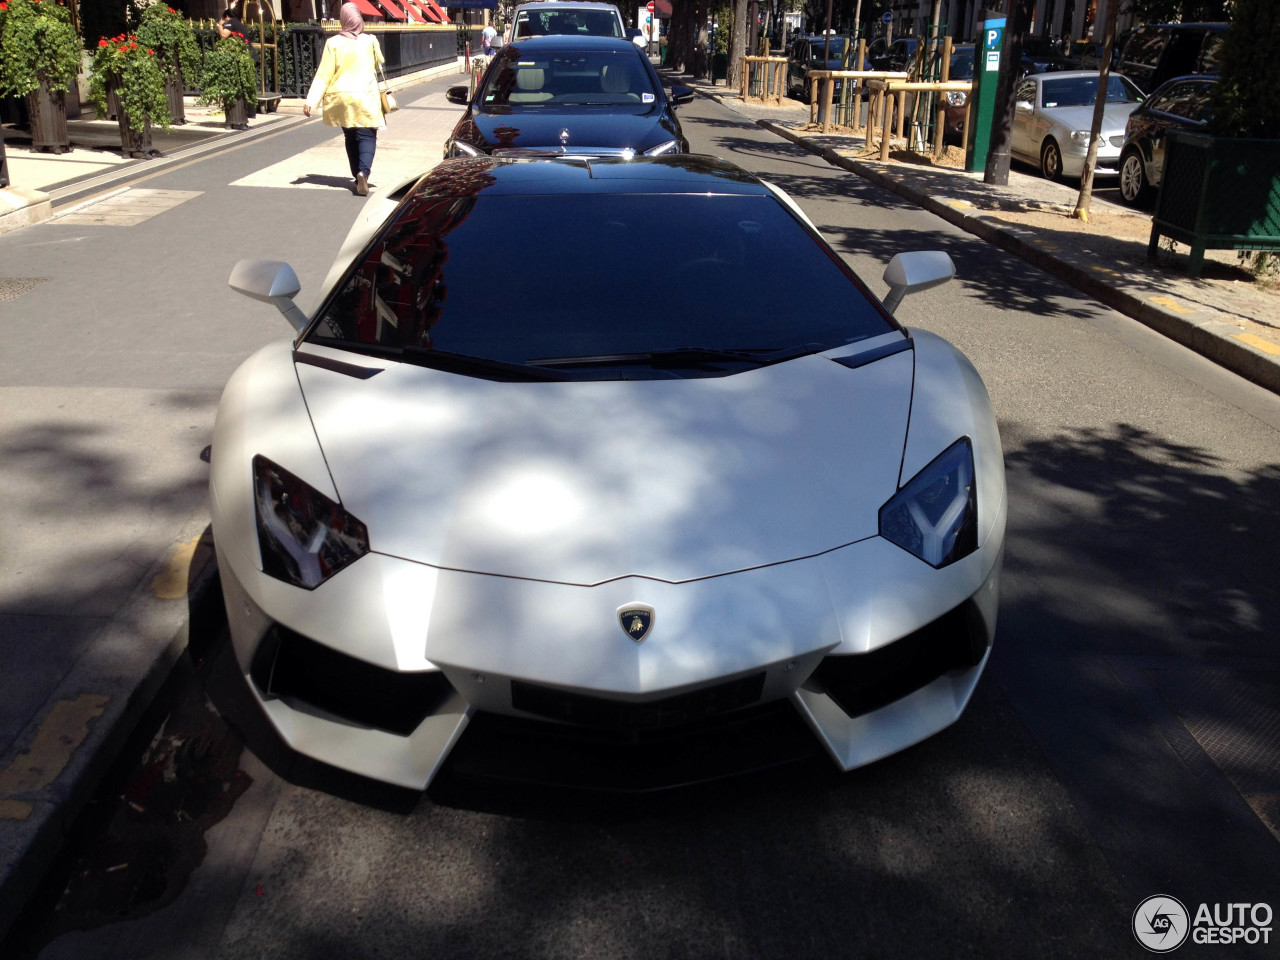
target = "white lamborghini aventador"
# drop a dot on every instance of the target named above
(490, 482)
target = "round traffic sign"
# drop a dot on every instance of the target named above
(886, 17)
(649, 6)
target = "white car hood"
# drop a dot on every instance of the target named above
(583, 482)
(1114, 117)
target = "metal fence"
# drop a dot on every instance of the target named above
(289, 68)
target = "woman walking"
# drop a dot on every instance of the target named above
(346, 85)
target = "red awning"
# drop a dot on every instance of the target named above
(413, 11)
(394, 9)
(662, 9)
(417, 10)
(435, 10)
(369, 10)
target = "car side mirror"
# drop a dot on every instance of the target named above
(460, 95)
(270, 281)
(680, 94)
(637, 37)
(915, 272)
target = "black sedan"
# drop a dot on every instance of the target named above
(1182, 103)
(569, 96)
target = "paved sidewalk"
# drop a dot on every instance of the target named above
(1223, 315)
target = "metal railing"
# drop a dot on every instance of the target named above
(289, 72)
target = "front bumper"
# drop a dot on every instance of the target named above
(380, 670)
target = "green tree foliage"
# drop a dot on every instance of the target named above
(1246, 99)
(168, 33)
(133, 70)
(228, 74)
(37, 44)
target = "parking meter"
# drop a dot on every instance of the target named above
(982, 98)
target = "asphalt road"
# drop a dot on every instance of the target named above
(1123, 743)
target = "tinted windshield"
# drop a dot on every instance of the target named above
(818, 48)
(603, 76)
(519, 278)
(586, 23)
(1081, 92)
(962, 64)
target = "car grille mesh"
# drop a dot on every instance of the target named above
(314, 679)
(673, 711)
(863, 682)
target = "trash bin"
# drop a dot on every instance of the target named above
(719, 67)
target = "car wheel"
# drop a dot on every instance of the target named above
(1133, 178)
(1051, 160)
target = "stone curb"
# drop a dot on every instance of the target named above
(144, 640)
(1209, 338)
(21, 207)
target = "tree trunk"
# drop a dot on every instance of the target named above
(737, 44)
(48, 111)
(1083, 202)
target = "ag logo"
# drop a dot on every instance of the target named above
(636, 620)
(1161, 923)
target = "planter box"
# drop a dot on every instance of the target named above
(134, 144)
(173, 90)
(1218, 193)
(237, 114)
(48, 112)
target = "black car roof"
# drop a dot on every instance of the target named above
(683, 174)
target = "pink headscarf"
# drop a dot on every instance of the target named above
(351, 20)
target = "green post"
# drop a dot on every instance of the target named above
(982, 106)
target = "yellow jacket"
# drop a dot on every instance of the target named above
(346, 82)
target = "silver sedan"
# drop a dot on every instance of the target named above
(1055, 114)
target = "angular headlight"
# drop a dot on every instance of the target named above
(1080, 137)
(662, 148)
(956, 98)
(463, 149)
(935, 516)
(304, 538)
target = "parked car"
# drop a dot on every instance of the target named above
(568, 18)
(1156, 52)
(1042, 55)
(588, 96)
(961, 69)
(1053, 118)
(1182, 103)
(811, 53)
(487, 491)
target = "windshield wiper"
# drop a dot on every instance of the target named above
(681, 357)
(460, 363)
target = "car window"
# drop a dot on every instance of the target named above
(1083, 91)
(1144, 48)
(581, 77)
(1189, 99)
(818, 48)
(962, 64)
(476, 276)
(1211, 54)
(1026, 92)
(593, 23)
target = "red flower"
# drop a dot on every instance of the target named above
(150, 51)
(102, 42)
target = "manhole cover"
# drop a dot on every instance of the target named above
(1235, 717)
(11, 288)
